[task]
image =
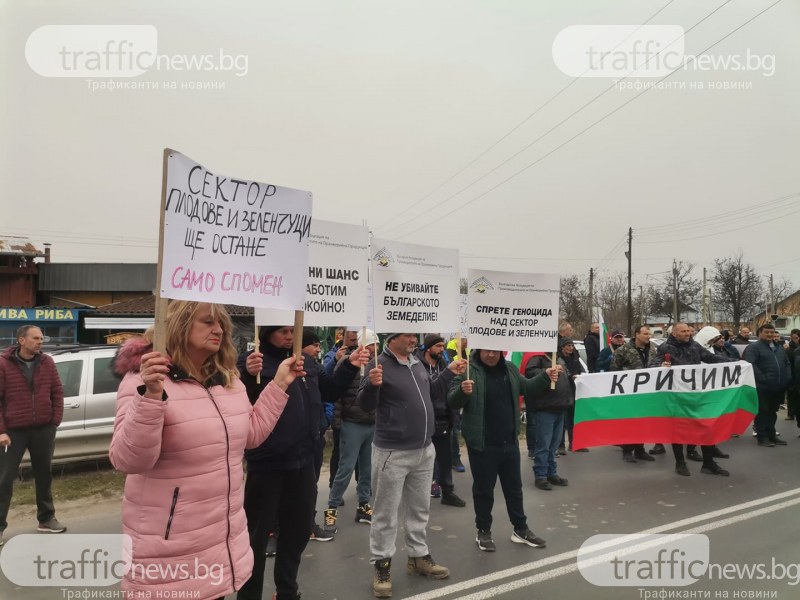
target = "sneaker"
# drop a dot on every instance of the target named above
(717, 453)
(382, 579)
(272, 546)
(526, 536)
(628, 457)
(531, 455)
(436, 490)
(458, 467)
(451, 499)
(657, 449)
(754, 432)
(779, 442)
(364, 513)
(642, 455)
(485, 541)
(766, 443)
(2, 539)
(682, 469)
(542, 484)
(561, 451)
(425, 565)
(556, 480)
(51, 526)
(714, 469)
(694, 455)
(319, 534)
(330, 516)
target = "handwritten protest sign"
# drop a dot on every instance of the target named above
(336, 290)
(512, 311)
(232, 241)
(415, 287)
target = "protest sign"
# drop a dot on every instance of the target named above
(512, 311)
(230, 240)
(336, 290)
(415, 288)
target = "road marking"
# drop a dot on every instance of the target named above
(573, 554)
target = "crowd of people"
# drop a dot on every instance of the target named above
(189, 418)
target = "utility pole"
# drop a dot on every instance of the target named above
(641, 305)
(591, 296)
(705, 299)
(773, 310)
(675, 314)
(629, 256)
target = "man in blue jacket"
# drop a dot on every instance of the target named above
(773, 374)
(399, 389)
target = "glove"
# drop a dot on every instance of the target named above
(329, 411)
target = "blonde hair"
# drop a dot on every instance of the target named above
(180, 314)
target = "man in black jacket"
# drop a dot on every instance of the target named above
(773, 375)
(592, 344)
(281, 488)
(682, 350)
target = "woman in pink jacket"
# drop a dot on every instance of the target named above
(183, 422)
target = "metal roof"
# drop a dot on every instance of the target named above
(19, 246)
(97, 277)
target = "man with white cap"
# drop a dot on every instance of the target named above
(399, 390)
(355, 436)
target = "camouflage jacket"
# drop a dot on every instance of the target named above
(627, 357)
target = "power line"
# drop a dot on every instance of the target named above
(512, 130)
(691, 59)
(564, 120)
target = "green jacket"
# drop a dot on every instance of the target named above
(472, 422)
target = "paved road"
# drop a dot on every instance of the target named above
(749, 518)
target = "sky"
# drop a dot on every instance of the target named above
(446, 123)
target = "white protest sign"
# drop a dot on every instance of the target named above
(415, 287)
(233, 241)
(513, 311)
(336, 290)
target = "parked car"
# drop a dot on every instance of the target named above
(90, 396)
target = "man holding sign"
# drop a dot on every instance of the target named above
(399, 389)
(490, 426)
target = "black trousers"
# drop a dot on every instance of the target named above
(486, 467)
(638, 448)
(284, 501)
(708, 458)
(444, 460)
(39, 441)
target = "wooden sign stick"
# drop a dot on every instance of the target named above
(553, 361)
(258, 345)
(298, 333)
(363, 339)
(159, 324)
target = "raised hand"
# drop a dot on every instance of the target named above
(154, 369)
(466, 386)
(376, 376)
(289, 370)
(255, 362)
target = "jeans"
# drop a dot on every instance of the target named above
(355, 446)
(549, 429)
(486, 467)
(40, 442)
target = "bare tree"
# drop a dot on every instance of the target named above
(737, 287)
(660, 299)
(612, 296)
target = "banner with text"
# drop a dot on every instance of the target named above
(415, 288)
(233, 241)
(512, 311)
(336, 290)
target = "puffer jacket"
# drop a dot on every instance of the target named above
(550, 400)
(347, 408)
(24, 405)
(183, 503)
(771, 366)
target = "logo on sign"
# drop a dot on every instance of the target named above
(383, 257)
(481, 284)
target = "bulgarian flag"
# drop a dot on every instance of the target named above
(604, 341)
(695, 404)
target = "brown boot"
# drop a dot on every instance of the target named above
(425, 565)
(382, 579)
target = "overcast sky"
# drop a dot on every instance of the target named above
(373, 105)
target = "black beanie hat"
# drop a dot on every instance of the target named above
(432, 339)
(309, 337)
